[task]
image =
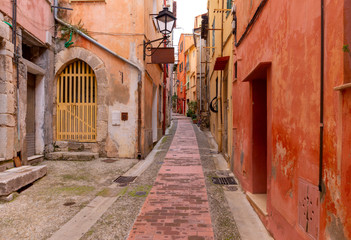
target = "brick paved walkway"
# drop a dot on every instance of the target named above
(177, 206)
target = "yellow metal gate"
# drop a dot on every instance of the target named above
(76, 103)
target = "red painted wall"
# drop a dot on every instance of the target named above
(288, 35)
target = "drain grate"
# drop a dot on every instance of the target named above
(124, 180)
(224, 180)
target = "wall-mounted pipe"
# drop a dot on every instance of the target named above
(14, 41)
(321, 129)
(140, 70)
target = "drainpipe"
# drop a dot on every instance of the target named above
(321, 131)
(117, 56)
(14, 41)
(164, 89)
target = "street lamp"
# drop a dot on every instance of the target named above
(165, 22)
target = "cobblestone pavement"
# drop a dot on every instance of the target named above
(177, 206)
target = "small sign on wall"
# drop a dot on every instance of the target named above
(116, 118)
(124, 116)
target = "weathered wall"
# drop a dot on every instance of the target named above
(7, 95)
(34, 16)
(125, 25)
(335, 215)
(34, 36)
(288, 35)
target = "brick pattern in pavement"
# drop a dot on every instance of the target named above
(177, 206)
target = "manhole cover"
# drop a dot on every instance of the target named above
(69, 203)
(109, 160)
(124, 180)
(140, 193)
(224, 180)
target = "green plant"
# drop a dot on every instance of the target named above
(68, 31)
(189, 113)
(346, 48)
(192, 106)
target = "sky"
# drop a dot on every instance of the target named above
(186, 12)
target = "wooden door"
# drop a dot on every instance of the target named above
(30, 115)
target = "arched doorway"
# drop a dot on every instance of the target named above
(76, 103)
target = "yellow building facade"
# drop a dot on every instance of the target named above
(220, 42)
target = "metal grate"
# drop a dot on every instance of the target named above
(124, 180)
(76, 103)
(224, 180)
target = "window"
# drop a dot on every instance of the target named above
(236, 70)
(181, 47)
(181, 67)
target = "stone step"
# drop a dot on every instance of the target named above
(66, 146)
(71, 156)
(16, 178)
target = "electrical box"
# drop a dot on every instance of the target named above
(309, 200)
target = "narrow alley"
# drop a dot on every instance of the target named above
(172, 197)
(175, 119)
(177, 205)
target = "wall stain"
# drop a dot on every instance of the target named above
(336, 228)
(274, 172)
(118, 91)
(242, 158)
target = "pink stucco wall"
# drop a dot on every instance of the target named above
(34, 16)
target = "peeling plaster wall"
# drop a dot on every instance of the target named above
(288, 34)
(33, 15)
(125, 25)
(35, 35)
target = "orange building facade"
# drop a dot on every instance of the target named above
(291, 115)
(183, 45)
(129, 91)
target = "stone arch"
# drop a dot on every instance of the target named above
(67, 56)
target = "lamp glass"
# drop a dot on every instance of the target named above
(165, 21)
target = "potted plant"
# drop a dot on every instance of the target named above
(194, 118)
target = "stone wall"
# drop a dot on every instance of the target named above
(7, 94)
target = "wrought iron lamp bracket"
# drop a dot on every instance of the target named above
(148, 45)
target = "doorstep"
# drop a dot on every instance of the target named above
(258, 202)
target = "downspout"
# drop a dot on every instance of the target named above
(117, 56)
(164, 89)
(14, 41)
(321, 131)
(220, 145)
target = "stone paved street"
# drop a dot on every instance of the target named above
(173, 197)
(177, 206)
